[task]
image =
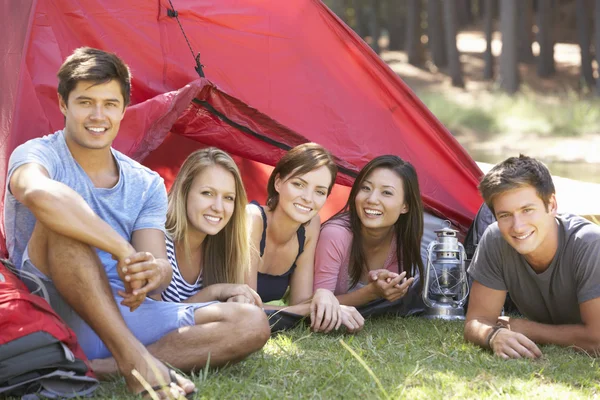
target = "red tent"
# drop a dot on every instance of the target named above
(278, 73)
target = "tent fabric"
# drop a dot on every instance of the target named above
(278, 73)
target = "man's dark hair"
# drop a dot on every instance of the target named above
(514, 173)
(89, 64)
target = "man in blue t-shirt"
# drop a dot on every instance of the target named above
(89, 222)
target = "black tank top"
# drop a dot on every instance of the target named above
(273, 287)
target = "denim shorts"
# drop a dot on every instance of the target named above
(148, 323)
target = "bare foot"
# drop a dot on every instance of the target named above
(155, 374)
(105, 368)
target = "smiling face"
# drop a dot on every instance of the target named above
(301, 197)
(527, 225)
(211, 200)
(380, 199)
(93, 114)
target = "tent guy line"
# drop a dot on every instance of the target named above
(172, 12)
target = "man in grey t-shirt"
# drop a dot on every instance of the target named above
(89, 222)
(549, 264)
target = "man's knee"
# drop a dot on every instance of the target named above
(255, 323)
(248, 322)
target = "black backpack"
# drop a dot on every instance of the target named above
(39, 354)
(483, 219)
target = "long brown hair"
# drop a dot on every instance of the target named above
(226, 255)
(408, 228)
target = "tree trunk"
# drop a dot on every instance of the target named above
(358, 18)
(526, 32)
(414, 47)
(435, 33)
(488, 27)
(509, 72)
(597, 40)
(396, 24)
(374, 30)
(463, 12)
(481, 9)
(452, 51)
(583, 34)
(545, 38)
(337, 6)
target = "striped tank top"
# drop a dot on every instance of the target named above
(179, 289)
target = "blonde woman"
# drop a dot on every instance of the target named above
(285, 233)
(208, 249)
(207, 232)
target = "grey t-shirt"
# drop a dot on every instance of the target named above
(137, 201)
(552, 297)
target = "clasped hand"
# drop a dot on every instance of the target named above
(509, 344)
(327, 314)
(141, 274)
(389, 285)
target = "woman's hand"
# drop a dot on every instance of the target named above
(352, 319)
(238, 293)
(389, 285)
(325, 311)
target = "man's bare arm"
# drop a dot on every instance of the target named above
(485, 305)
(64, 211)
(585, 336)
(153, 241)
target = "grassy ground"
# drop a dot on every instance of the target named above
(563, 132)
(494, 113)
(403, 359)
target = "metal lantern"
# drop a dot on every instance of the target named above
(445, 286)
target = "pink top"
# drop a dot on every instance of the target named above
(333, 256)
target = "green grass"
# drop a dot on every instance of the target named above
(459, 118)
(409, 358)
(493, 113)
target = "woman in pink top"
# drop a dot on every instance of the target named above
(371, 250)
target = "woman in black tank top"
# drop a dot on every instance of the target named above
(285, 233)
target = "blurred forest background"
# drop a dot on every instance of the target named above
(504, 76)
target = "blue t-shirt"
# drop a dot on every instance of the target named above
(137, 201)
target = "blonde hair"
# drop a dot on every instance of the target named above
(226, 255)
